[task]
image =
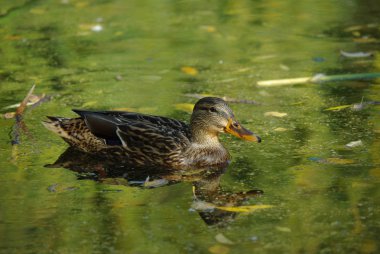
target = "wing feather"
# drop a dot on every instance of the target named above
(108, 124)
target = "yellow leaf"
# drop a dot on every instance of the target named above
(337, 108)
(189, 70)
(187, 107)
(219, 249)
(280, 129)
(224, 240)
(275, 114)
(243, 209)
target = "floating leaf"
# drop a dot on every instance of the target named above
(280, 129)
(189, 70)
(284, 67)
(337, 108)
(355, 54)
(202, 205)
(283, 229)
(33, 99)
(97, 28)
(359, 106)
(187, 107)
(219, 249)
(155, 183)
(17, 105)
(354, 144)
(9, 115)
(119, 77)
(243, 209)
(275, 114)
(222, 239)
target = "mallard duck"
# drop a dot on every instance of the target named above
(146, 140)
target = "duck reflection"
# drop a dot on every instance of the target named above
(208, 195)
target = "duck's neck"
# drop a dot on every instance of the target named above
(202, 136)
(205, 149)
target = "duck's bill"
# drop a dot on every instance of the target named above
(234, 128)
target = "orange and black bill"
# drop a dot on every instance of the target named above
(234, 128)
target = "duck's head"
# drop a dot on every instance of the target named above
(212, 115)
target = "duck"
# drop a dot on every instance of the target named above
(145, 140)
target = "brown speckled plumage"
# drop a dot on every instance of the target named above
(144, 140)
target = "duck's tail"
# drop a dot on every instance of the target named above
(57, 125)
(75, 132)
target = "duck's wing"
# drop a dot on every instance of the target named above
(113, 125)
(148, 139)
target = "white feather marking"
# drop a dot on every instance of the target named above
(118, 131)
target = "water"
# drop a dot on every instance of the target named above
(117, 54)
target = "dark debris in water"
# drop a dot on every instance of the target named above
(110, 190)
(332, 160)
(57, 188)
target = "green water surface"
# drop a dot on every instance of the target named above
(147, 56)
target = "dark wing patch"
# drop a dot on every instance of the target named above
(104, 124)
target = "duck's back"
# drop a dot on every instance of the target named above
(104, 124)
(140, 139)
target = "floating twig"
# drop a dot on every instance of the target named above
(19, 123)
(356, 54)
(355, 107)
(319, 78)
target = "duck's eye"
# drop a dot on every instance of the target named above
(213, 109)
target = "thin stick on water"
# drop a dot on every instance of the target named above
(19, 123)
(319, 78)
